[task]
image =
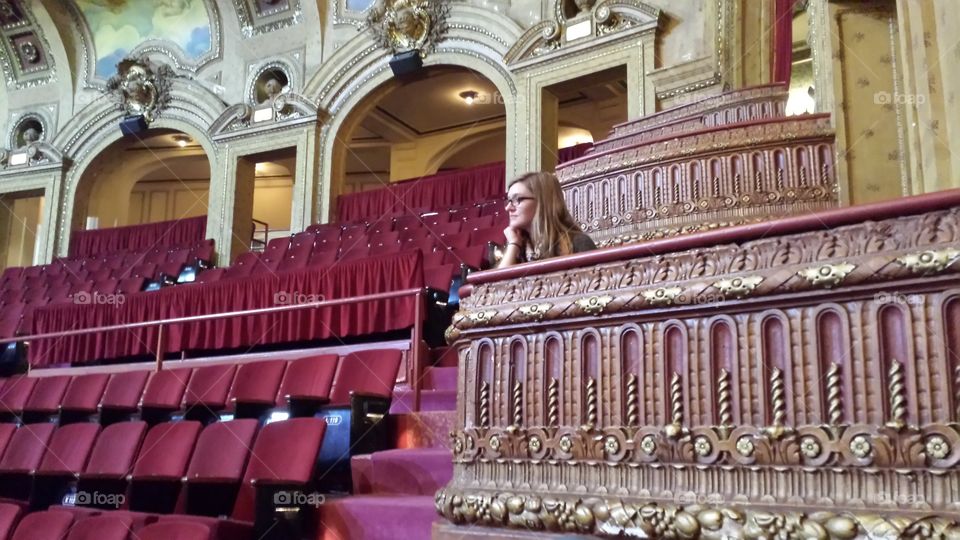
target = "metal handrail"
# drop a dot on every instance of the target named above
(413, 371)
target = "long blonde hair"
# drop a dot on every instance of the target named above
(552, 229)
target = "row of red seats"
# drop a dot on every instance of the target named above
(242, 389)
(66, 280)
(129, 476)
(451, 242)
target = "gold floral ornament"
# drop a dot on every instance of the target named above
(594, 305)
(408, 25)
(930, 262)
(535, 312)
(663, 296)
(738, 287)
(828, 275)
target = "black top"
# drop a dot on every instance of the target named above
(580, 242)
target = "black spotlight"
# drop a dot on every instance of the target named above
(406, 63)
(131, 125)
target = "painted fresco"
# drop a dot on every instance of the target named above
(118, 26)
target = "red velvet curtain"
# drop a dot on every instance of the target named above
(355, 278)
(138, 237)
(782, 40)
(451, 189)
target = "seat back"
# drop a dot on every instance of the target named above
(15, 393)
(46, 525)
(179, 530)
(166, 450)
(47, 394)
(284, 452)
(209, 387)
(85, 392)
(108, 526)
(26, 448)
(165, 389)
(124, 390)
(222, 450)
(115, 449)
(371, 372)
(258, 382)
(69, 448)
(310, 377)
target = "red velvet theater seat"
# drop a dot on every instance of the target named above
(48, 525)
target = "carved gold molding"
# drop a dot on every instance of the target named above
(614, 517)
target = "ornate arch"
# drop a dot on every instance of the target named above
(476, 39)
(192, 109)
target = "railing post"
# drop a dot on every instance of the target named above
(415, 350)
(160, 347)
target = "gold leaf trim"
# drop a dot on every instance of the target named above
(931, 261)
(828, 275)
(594, 305)
(738, 287)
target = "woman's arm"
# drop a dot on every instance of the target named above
(511, 252)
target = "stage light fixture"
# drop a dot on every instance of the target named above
(469, 96)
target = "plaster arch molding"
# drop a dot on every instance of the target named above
(476, 39)
(192, 109)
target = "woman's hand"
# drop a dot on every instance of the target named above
(513, 235)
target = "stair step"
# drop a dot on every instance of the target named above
(430, 400)
(423, 429)
(378, 517)
(444, 357)
(415, 471)
(440, 378)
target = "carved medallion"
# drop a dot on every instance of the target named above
(406, 25)
(828, 275)
(930, 262)
(141, 87)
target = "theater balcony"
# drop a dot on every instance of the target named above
(793, 378)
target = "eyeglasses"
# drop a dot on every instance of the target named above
(515, 201)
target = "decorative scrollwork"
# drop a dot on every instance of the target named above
(664, 296)
(738, 287)
(594, 305)
(405, 25)
(141, 87)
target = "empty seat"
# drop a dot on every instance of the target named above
(110, 462)
(121, 397)
(483, 236)
(164, 393)
(367, 373)
(455, 241)
(217, 466)
(472, 257)
(357, 251)
(307, 383)
(305, 238)
(445, 229)
(83, 396)
(9, 517)
(14, 395)
(322, 257)
(45, 399)
(164, 455)
(327, 235)
(22, 457)
(131, 285)
(284, 454)
(384, 240)
(439, 277)
(109, 526)
(6, 433)
(255, 388)
(478, 223)
(211, 275)
(407, 223)
(296, 258)
(48, 525)
(435, 219)
(66, 456)
(208, 390)
(202, 253)
(379, 227)
(353, 234)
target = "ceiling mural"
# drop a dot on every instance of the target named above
(120, 26)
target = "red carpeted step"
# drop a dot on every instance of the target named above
(430, 400)
(440, 378)
(415, 471)
(376, 517)
(444, 357)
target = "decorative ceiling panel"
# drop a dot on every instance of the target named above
(24, 54)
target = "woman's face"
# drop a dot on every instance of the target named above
(521, 206)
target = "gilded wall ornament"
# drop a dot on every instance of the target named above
(828, 275)
(141, 87)
(407, 25)
(738, 287)
(930, 262)
(594, 305)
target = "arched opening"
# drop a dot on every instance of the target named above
(446, 118)
(162, 175)
(21, 215)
